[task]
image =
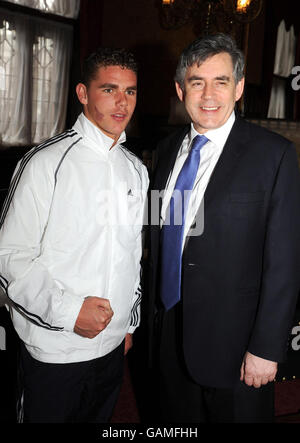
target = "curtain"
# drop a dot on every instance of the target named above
(285, 51)
(277, 99)
(66, 8)
(284, 62)
(275, 12)
(34, 60)
(14, 122)
(51, 63)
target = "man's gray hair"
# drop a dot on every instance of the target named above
(206, 47)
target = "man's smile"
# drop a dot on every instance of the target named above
(210, 108)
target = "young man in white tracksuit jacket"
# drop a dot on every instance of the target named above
(70, 251)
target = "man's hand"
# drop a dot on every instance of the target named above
(128, 343)
(94, 316)
(256, 371)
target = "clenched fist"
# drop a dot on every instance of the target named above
(94, 316)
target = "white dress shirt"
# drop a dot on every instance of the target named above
(209, 156)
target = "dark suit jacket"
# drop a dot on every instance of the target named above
(241, 277)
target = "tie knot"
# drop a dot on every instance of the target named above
(198, 142)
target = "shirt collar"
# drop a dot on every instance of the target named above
(86, 128)
(219, 135)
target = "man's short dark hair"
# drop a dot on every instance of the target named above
(203, 48)
(104, 57)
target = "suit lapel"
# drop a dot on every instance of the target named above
(167, 160)
(233, 148)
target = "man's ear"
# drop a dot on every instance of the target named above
(239, 89)
(179, 91)
(81, 92)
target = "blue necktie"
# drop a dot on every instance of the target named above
(172, 230)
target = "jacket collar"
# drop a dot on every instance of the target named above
(96, 138)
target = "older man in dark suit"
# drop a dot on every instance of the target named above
(222, 300)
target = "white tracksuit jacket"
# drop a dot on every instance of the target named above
(71, 228)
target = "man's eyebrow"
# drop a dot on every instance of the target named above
(223, 77)
(194, 77)
(197, 77)
(109, 85)
(114, 86)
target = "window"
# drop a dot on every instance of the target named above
(7, 73)
(66, 8)
(43, 64)
(35, 58)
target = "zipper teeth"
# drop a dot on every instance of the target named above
(110, 249)
(108, 253)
